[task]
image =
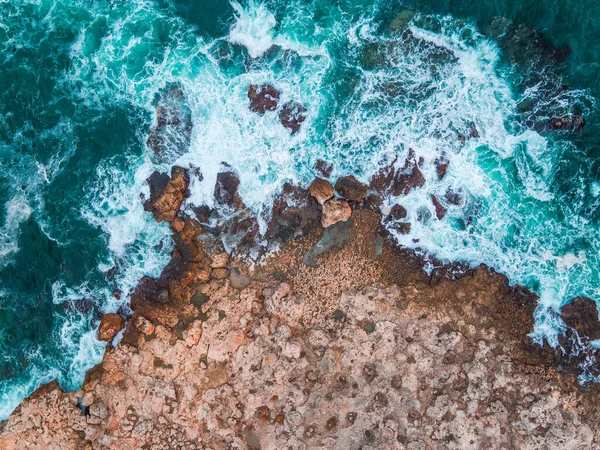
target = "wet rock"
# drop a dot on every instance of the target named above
(454, 197)
(335, 211)
(324, 168)
(226, 189)
(167, 193)
(263, 98)
(110, 325)
(295, 213)
(440, 210)
(171, 135)
(292, 115)
(398, 212)
(321, 190)
(402, 227)
(582, 315)
(351, 189)
(567, 123)
(441, 168)
(407, 180)
(185, 237)
(390, 180)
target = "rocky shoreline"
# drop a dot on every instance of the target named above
(337, 340)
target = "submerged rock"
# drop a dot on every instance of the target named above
(292, 115)
(226, 189)
(167, 193)
(396, 182)
(324, 168)
(335, 211)
(263, 98)
(171, 135)
(110, 325)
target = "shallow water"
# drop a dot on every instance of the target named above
(77, 85)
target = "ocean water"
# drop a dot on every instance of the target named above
(78, 81)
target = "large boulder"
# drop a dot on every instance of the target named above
(321, 190)
(295, 213)
(167, 193)
(351, 189)
(110, 325)
(263, 98)
(335, 211)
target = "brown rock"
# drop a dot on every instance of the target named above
(292, 115)
(295, 213)
(440, 211)
(582, 315)
(407, 180)
(335, 211)
(454, 197)
(398, 212)
(219, 259)
(167, 193)
(263, 98)
(110, 325)
(351, 189)
(441, 168)
(321, 190)
(389, 180)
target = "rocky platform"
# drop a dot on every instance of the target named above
(337, 341)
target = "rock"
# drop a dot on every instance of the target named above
(389, 180)
(292, 115)
(167, 193)
(324, 168)
(401, 21)
(335, 211)
(321, 190)
(454, 197)
(110, 325)
(295, 213)
(171, 135)
(582, 315)
(441, 168)
(263, 98)
(402, 227)
(440, 211)
(219, 259)
(351, 189)
(226, 189)
(567, 123)
(398, 212)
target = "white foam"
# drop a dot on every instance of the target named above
(253, 28)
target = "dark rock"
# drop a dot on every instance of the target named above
(398, 212)
(292, 115)
(324, 168)
(454, 197)
(567, 123)
(263, 98)
(351, 189)
(295, 213)
(582, 315)
(405, 181)
(226, 189)
(440, 211)
(167, 193)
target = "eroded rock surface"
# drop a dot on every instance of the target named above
(354, 347)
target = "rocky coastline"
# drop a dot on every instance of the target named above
(337, 340)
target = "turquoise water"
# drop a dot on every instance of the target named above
(77, 84)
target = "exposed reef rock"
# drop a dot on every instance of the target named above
(338, 341)
(110, 325)
(263, 98)
(292, 115)
(167, 193)
(321, 190)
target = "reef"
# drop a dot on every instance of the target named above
(339, 339)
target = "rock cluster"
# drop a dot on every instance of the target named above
(265, 98)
